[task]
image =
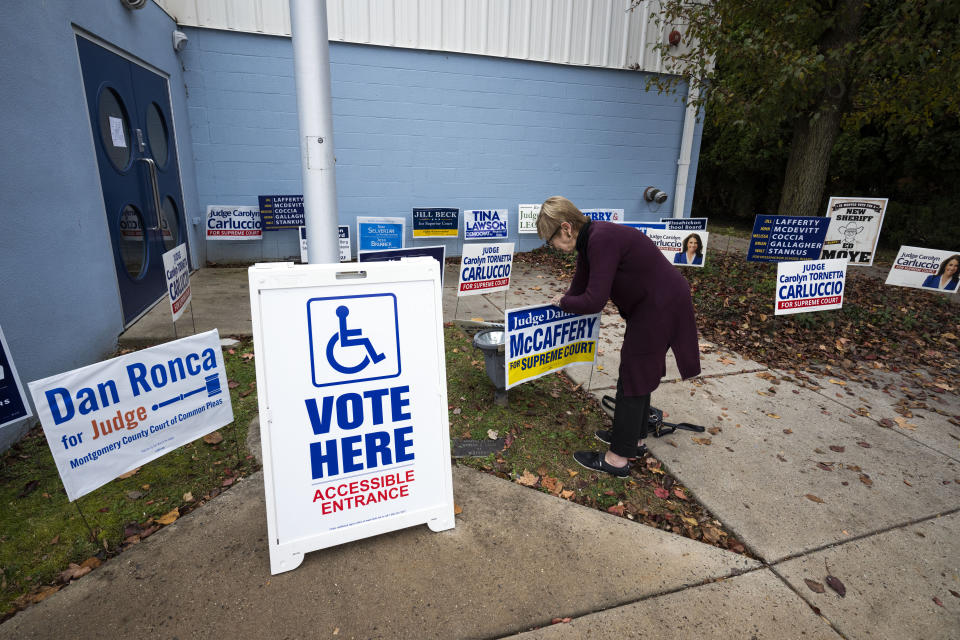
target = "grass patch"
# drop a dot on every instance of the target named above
(41, 533)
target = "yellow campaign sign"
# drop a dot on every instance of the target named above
(434, 233)
(531, 367)
(543, 339)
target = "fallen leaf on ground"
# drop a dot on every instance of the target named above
(839, 382)
(492, 434)
(29, 488)
(227, 482)
(560, 620)
(213, 438)
(661, 493)
(837, 448)
(865, 479)
(903, 424)
(232, 384)
(824, 466)
(865, 445)
(56, 539)
(566, 494)
(773, 415)
(714, 430)
(814, 498)
(937, 601)
(680, 494)
(246, 356)
(701, 440)
(788, 431)
(815, 586)
(617, 510)
(169, 518)
(93, 562)
(573, 473)
(73, 572)
(128, 473)
(834, 583)
(134, 495)
(551, 484)
(527, 479)
(457, 509)
(188, 497)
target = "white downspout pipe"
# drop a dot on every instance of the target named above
(311, 65)
(686, 145)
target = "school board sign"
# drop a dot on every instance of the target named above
(527, 215)
(436, 222)
(380, 233)
(542, 339)
(351, 386)
(343, 234)
(110, 417)
(176, 268)
(485, 268)
(928, 269)
(854, 229)
(484, 223)
(686, 224)
(226, 222)
(281, 212)
(809, 285)
(13, 404)
(787, 238)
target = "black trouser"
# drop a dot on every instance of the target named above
(629, 422)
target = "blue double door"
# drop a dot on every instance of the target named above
(133, 135)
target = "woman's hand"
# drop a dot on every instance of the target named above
(555, 300)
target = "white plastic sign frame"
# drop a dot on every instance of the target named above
(351, 382)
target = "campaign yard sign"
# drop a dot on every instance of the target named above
(686, 224)
(225, 222)
(672, 244)
(485, 268)
(604, 215)
(854, 229)
(436, 222)
(176, 268)
(810, 285)
(929, 269)
(438, 253)
(380, 233)
(351, 384)
(542, 339)
(113, 416)
(787, 238)
(281, 212)
(484, 223)
(13, 404)
(527, 215)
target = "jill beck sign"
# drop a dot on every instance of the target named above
(110, 417)
(352, 390)
(485, 268)
(176, 268)
(436, 222)
(233, 223)
(542, 339)
(810, 285)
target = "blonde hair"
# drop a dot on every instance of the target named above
(553, 212)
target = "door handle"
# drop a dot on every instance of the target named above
(154, 188)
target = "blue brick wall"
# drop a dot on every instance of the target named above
(419, 128)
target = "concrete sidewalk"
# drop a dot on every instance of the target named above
(884, 521)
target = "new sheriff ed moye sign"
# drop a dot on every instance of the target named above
(352, 392)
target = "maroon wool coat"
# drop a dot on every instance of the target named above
(622, 264)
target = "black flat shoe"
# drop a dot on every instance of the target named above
(595, 460)
(606, 435)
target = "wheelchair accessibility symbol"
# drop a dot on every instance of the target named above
(353, 338)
